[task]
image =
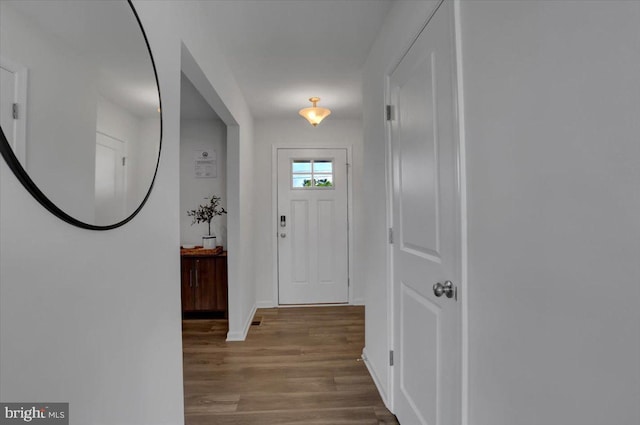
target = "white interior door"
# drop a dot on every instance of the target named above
(312, 226)
(426, 250)
(7, 98)
(110, 180)
(13, 91)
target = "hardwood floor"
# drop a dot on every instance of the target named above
(298, 366)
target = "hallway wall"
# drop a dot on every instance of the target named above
(553, 145)
(197, 135)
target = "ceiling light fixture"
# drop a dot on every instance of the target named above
(314, 114)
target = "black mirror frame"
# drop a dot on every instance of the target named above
(22, 175)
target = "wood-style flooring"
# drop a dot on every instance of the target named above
(298, 366)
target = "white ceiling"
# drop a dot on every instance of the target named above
(281, 51)
(284, 51)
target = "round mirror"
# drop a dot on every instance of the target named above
(79, 107)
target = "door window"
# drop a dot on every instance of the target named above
(312, 174)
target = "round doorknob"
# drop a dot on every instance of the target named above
(447, 289)
(283, 235)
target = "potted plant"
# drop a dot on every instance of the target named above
(205, 214)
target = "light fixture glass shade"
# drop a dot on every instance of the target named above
(314, 114)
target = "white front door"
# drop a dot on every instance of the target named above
(312, 226)
(110, 180)
(426, 224)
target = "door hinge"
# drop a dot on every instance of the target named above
(390, 357)
(124, 161)
(389, 112)
(15, 111)
(391, 235)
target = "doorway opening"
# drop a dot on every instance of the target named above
(203, 237)
(209, 159)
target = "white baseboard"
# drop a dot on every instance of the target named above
(312, 305)
(242, 335)
(376, 379)
(266, 304)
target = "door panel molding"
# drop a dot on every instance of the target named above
(299, 236)
(421, 357)
(414, 175)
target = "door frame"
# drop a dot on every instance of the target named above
(22, 82)
(274, 216)
(461, 199)
(125, 175)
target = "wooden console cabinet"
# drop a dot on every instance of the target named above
(204, 283)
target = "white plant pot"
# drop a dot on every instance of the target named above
(209, 242)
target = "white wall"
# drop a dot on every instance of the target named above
(292, 133)
(141, 141)
(116, 121)
(401, 26)
(143, 158)
(553, 140)
(60, 169)
(195, 135)
(93, 318)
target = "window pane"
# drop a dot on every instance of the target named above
(323, 180)
(301, 166)
(323, 166)
(301, 180)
